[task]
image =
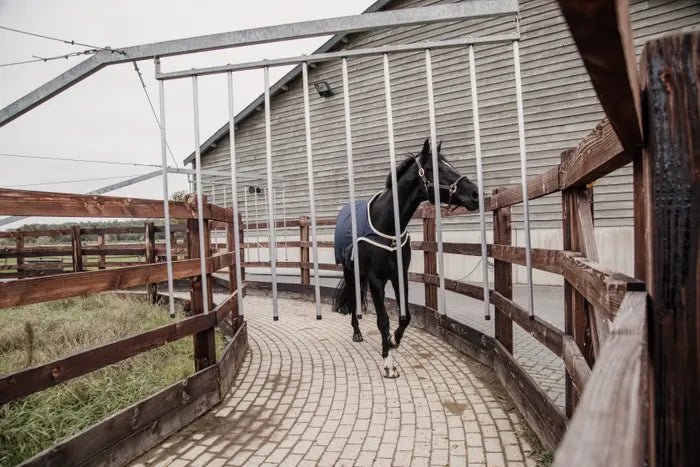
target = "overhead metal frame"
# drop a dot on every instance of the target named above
(346, 24)
(330, 56)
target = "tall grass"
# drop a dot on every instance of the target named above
(43, 332)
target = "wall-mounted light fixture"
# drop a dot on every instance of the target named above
(323, 88)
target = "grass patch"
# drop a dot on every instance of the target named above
(39, 333)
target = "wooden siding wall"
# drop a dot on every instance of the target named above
(560, 109)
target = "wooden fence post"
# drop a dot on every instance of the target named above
(503, 276)
(149, 237)
(204, 344)
(241, 237)
(77, 248)
(574, 302)
(429, 259)
(672, 181)
(19, 242)
(232, 280)
(304, 250)
(101, 261)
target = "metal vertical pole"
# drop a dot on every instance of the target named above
(234, 194)
(257, 232)
(351, 186)
(272, 242)
(523, 176)
(480, 180)
(166, 195)
(436, 182)
(310, 172)
(394, 185)
(284, 221)
(200, 204)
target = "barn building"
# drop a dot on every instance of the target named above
(560, 106)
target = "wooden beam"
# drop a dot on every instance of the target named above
(598, 154)
(40, 203)
(671, 78)
(602, 287)
(130, 432)
(609, 425)
(575, 364)
(37, 378)
(541, 414)
(548, 334)
(541, 330)
(537, 186)
(603, 36)
(543, 259)
(43, 289)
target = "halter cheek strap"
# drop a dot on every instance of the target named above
(451, 189)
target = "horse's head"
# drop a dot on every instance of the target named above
(455, 189)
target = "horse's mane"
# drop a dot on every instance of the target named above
(400, 170)
(404, 166)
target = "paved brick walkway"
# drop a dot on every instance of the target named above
(308, 395)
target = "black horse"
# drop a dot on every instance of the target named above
(377, 241)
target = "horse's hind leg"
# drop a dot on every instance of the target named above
(376, 288)
(350, 281)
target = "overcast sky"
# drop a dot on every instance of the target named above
(106, 116)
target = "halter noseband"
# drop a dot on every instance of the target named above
(451, 189)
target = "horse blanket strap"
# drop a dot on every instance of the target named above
(427, 184)
(366, 232)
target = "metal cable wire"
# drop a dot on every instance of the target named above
(70, 159)
(70, 42)
(153, 110)
(60, 182)
(46, 59)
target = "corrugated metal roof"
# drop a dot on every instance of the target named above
(275, 88)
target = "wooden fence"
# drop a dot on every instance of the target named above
(129, 432)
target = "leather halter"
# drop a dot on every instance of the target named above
(451, 189)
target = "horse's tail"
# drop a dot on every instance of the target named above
(345, 296)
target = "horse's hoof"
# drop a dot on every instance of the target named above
(357, 337)
(391, 373)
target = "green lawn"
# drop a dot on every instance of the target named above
(40, 333)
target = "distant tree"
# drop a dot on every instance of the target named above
(180, 195)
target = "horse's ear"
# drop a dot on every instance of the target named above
(439, 146)
(426, 147)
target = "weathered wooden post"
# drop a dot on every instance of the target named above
(241, 238)
(232, 280)
(19, 244)
(101, 261)
(574, 302)
(429, 258)
(304, 255)
(77, 249)
(149, 236)
(204, 345)
(503, 275)
(671, 78)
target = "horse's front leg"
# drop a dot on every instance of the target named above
(376, 288)
(404, 321)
